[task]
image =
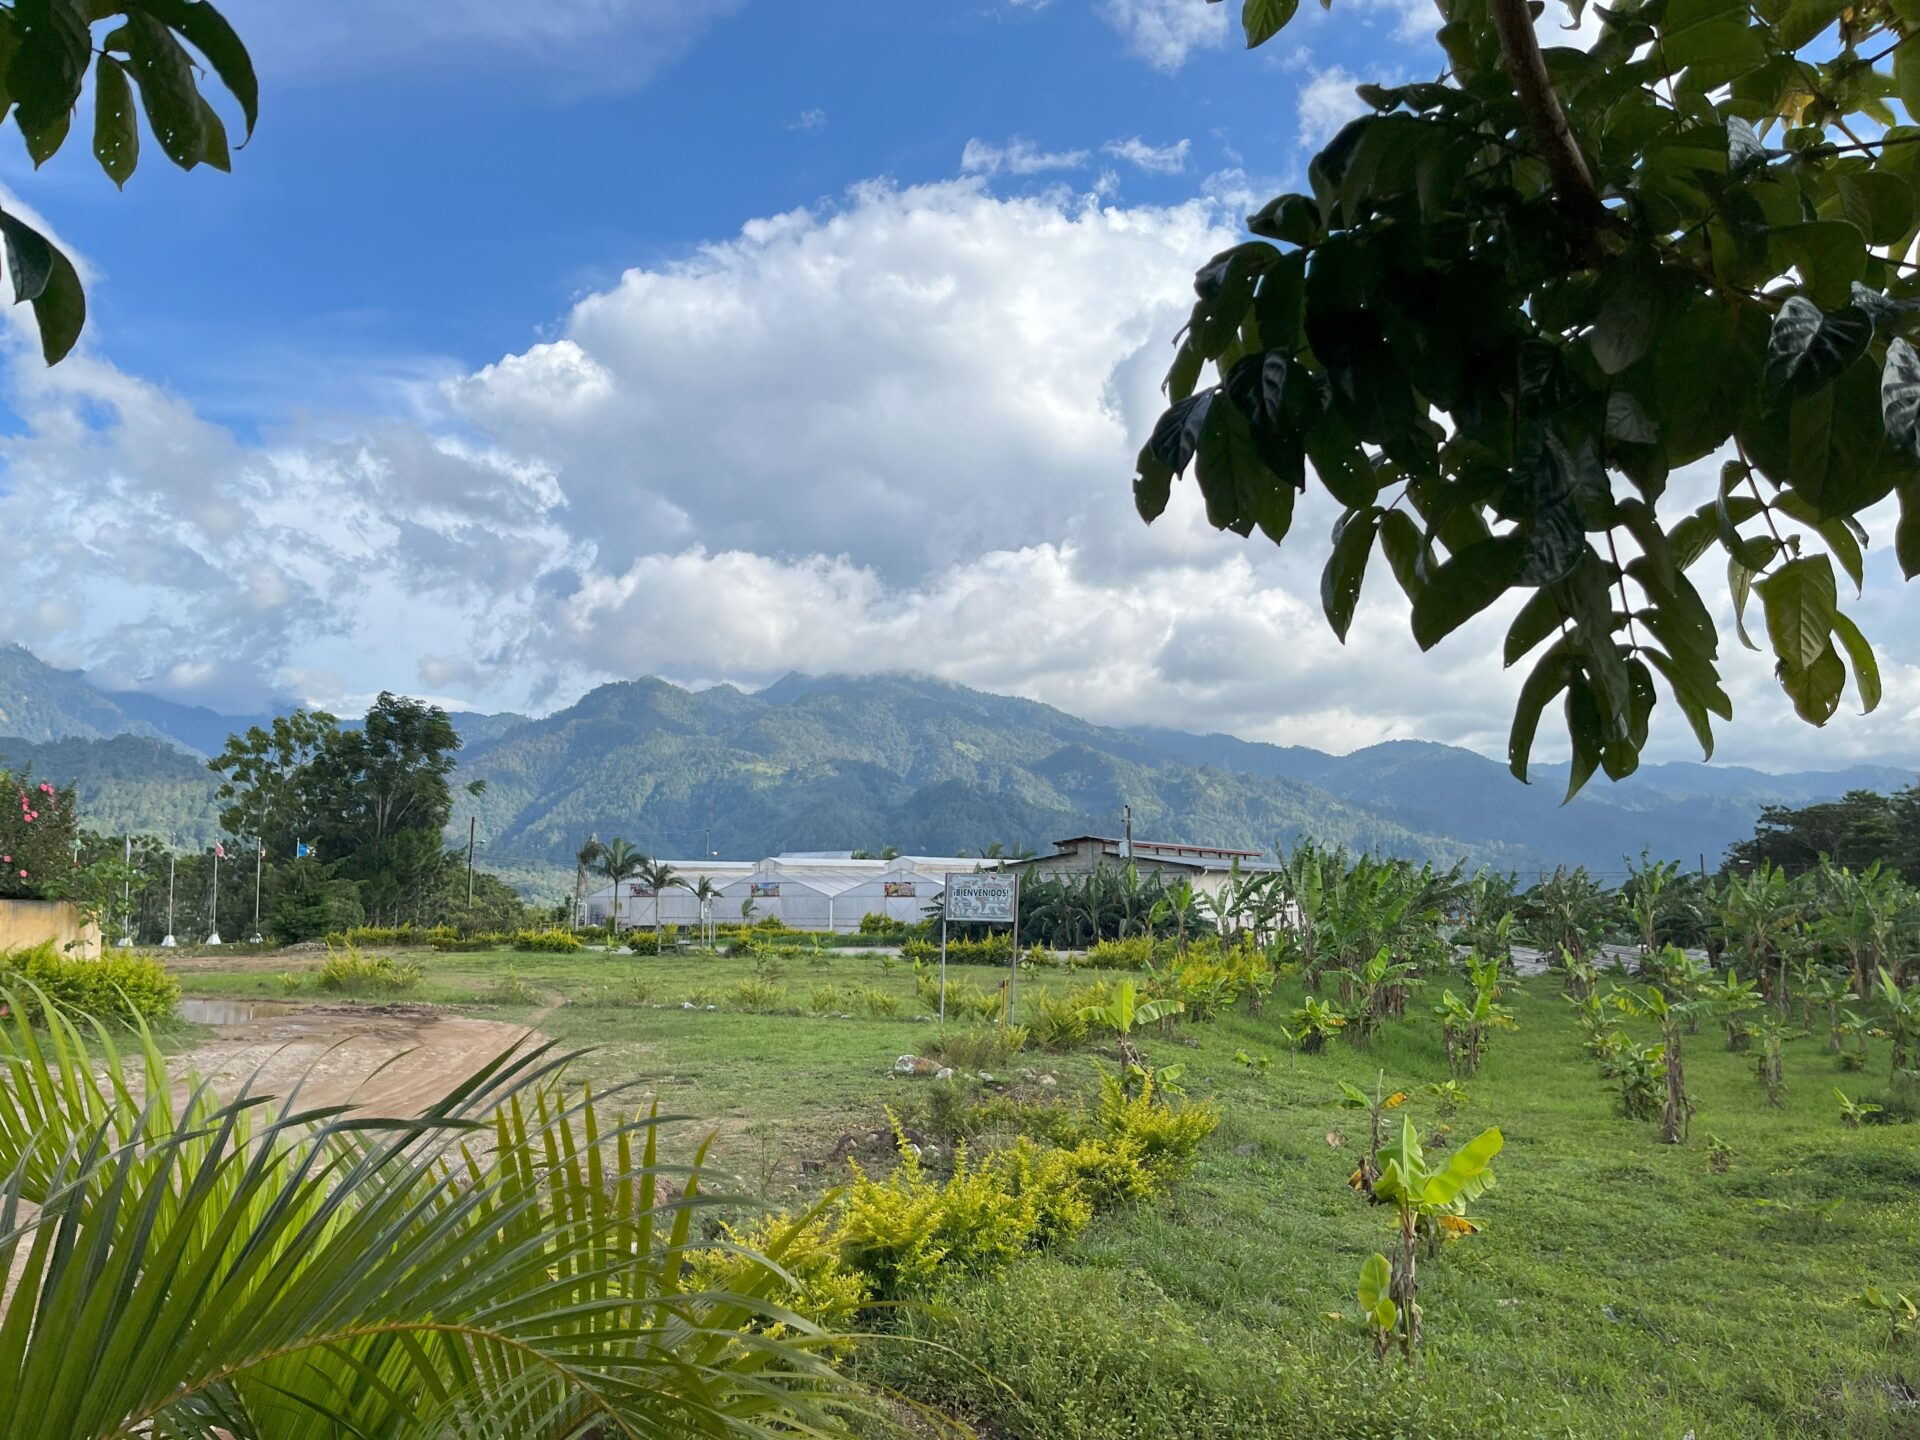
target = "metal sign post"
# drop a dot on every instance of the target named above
(982, 897)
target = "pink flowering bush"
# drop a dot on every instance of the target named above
(38, 824)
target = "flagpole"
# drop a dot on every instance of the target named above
(213, 913)
(166, 942)
(259, 860)
(126, 900)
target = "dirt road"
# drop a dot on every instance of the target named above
(389, 1059)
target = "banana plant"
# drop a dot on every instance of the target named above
(1651, 1002)
(1828, 991)
(1126, 1014)
(1730, 999)
(1769, 1067)
(1464, 1026)
(1432, 1201)
(1377, 1105)
(1903, 1017)
(1451, 1095)
(1377, 1310)
(1900, 1311)
(1314, 1023)
(1852, 1112)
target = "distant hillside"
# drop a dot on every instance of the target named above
(836, 762)
(1680, 810)
(127, 785)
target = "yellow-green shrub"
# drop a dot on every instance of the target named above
(1110, 1172)
(114, 987)
(904, 1230)
(348, 972)
(1047, 1177)
(825, 1290)
(1165, 1135)
(1057, 1023)
(553, 942)
(1136, 952)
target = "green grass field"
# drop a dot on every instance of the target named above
(1622, 1287)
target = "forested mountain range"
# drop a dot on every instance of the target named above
(843, 762)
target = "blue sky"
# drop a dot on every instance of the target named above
(531, 346)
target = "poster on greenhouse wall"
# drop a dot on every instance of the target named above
(897, 889)
(763, 889)
(638, 890)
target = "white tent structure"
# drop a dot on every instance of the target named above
(804, 890)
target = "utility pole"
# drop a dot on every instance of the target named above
(472, 824)
(1127, 849)
(259, 864)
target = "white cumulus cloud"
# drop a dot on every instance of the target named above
(1157, 159)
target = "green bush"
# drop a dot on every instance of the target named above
(641, 942)
(981, 1047)
(1054, 1351)
(877, 1003)
(114, 987)
(348, 972)
(758, 996)
(1056, 1021)
(512, 988)
(550, 942)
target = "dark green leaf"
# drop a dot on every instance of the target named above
(207, 30)
(46, 71)
(167, 90)
(1152, 486)
(1866, 669)
(29, 259)
(1277, 303)
(1466, 584)
(1830, 254)
(1347, 567)
(1239, 488)
(1807, 348)
(1713, 53)
(1401, 542)
(1740, 585)
(1639, 303)
(1548, 678)
(1263, 19)
(1684, 697)
(59, 304)
(1538, 618)
(1178, 432)
(1886, 311)
(1878, 202)
(1585, 730)
(1340, 462)
(1293, 219)
(1800, 603)
(1906, 533)
(1185, 371)
(1900, 396)
(116, 133)
(1627, 420)
(1743, 146)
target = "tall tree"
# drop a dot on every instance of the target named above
(619, 862)
(1519, 297)
(584, 859)
(269, 781)
(48, 47)
(659, 877)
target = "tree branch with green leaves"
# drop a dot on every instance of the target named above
(1516, 302)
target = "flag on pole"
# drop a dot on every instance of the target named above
(301, 850)
(219, 851)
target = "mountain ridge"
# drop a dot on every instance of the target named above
(839, 761)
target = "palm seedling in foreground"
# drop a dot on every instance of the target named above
(508, 1264)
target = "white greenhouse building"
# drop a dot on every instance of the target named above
(806, 891)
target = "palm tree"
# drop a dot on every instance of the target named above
(282, 1270)
(658, 876)
(584, 859)
(706, 892)
(619, 862)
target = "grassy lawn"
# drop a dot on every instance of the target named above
(1622, 1286)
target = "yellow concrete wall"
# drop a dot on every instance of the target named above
(30, 922)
